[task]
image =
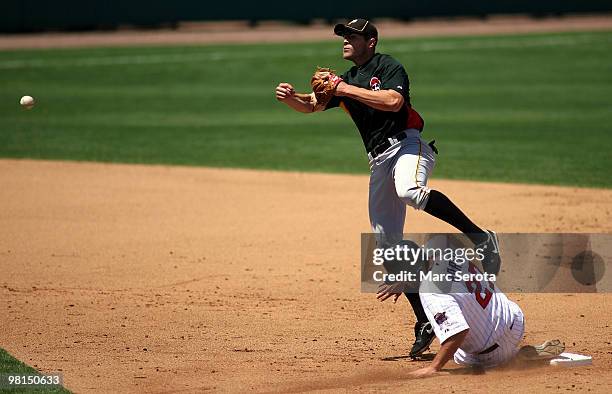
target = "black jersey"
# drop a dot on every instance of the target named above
(379, 73)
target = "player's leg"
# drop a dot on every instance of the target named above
(387, 213)
(508, 343)
(514, 336)
(387, 217)
(413, 167)
(412, 170)
(441, 207)
(546, 351)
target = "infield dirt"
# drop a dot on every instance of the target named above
(169, 279)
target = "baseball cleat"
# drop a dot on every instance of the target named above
(491, 263)
(424, 336)
(546, 351)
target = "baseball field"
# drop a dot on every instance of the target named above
(167, 226)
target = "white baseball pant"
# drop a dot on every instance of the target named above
(507, 349)
(398, 177)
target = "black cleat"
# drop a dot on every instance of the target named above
(424, 336)
(491, 263)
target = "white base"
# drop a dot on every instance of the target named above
(571, 360)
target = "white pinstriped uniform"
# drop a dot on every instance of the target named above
(493, 320)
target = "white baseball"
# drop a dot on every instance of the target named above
(27, 102)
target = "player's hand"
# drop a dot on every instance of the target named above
(284, 91)
(386, 291)
(425, 372)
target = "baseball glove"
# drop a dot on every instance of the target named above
(324, 82)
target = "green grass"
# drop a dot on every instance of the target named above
(528, 108)
(9, 364)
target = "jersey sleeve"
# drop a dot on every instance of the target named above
(444, 314)
(395, 78)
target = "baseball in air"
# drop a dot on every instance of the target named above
(27, 102)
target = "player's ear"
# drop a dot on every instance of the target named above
(372, 41)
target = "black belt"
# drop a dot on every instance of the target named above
(490, 349)
(382, 147)
(495, 346)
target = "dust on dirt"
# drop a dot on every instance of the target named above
(153, 278)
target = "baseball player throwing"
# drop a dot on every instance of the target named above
(375, 94)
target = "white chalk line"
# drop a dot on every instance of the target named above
(527, 42)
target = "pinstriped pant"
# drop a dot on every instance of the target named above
(508, 345)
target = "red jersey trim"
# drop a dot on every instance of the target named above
(414, 120)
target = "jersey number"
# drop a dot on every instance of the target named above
(475, 287)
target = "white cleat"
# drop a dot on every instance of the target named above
(546, 351)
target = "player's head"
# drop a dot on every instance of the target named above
(360, 39)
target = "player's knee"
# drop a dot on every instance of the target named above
(415, 196)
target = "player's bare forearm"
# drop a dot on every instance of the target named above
(446, 352)
(301, 102)
(383, 100)
(448, 349)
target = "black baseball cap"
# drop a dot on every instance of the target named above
(357, 26)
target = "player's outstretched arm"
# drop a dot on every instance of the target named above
(383, 100)
(300, 102)
(446, 352)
